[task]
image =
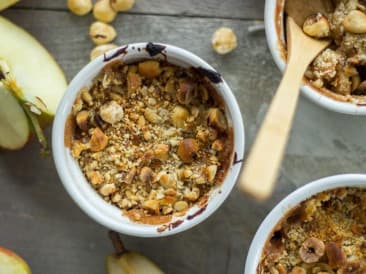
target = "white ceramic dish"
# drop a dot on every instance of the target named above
(73, 179)
(275, 36)
(296, 197)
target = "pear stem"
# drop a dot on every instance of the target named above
(37, 130)
(117, 243)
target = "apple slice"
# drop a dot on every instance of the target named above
(6, 3)
(128, 262)
(31, 74)
(14, 125)
(11, 263)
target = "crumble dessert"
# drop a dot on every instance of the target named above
(341, 67)
(325, 234)
(151, 138)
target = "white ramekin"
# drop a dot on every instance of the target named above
(80, 190)
(275, 36)
(295, 198)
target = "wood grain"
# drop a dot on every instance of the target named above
(243, 9)
(41, 222)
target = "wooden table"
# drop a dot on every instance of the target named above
(40, 221)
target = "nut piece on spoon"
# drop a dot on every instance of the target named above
(128, 262)
(299, 10)
(317, 26)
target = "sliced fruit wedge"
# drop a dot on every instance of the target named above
(131, 263)
(11, 263)
(14, 126)
(34, 71)
(128, 262)
(6, 3)
(32, 75)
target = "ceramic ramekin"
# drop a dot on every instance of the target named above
(275, 38)
(75, 182)
(295, 198)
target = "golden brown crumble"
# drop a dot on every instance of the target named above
(151, 138)
(324, 234)
(341, 67)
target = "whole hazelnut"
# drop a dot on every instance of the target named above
(80, 7)
(224, 40)
(122, 5)
(100, 50)
(187, 150)
(311, 250)
(102, 11)
(217, 119)
(102, 33)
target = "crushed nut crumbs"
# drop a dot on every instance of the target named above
(151, 138)
(324, 234)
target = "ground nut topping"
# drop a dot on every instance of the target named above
(324, 234)
(151, 138)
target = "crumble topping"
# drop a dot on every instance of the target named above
(325, 234)
(151, 138)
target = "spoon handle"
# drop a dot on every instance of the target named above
(261, 168)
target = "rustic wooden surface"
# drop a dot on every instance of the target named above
(41, 222)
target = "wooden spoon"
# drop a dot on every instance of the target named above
(261, 169)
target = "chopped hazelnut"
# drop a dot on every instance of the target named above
(161, 152)
(218, 145)
(317, 26)
(336, 257)
(192, 195)
(107, 189)
(210, 173)
(150, 69)
(298, 270)
(167, 180)
(131, 174)
(146, 175)
(181, 206)
(178, 116)
(111, 112)
(82, 120)
(95, 177)
(98, 140)
(152, 205)
(217, 119)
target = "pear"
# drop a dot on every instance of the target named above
(6, 3)
(11, 263)
(14, 125)
(31, 74)
(128, 262)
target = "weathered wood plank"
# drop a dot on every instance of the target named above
(244, 9)
(39, 220)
